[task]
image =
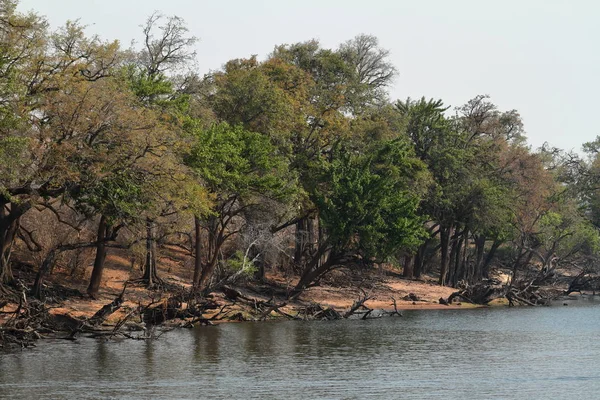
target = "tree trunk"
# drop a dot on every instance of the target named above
(455, 259)
(259, 263)
(10, 216)
(48, 261)
(207, 273)
(467, 268)
(518, 264)
(215, 241)
(408, 270)
(444, 250)
(479, 253)
(7, 238)
(314, 237)
(197, 252)
(314, 270)
(301, 241)
(96, 278)
(420, 259)
(485, 268)
(418, 264)
(150, 273)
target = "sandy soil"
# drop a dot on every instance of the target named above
(383, 292)
(175, 268)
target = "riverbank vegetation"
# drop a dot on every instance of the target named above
(294, 164)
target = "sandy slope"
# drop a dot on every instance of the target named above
(175, 268)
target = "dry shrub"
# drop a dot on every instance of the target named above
(51, 227)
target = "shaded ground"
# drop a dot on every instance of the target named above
(339, 292)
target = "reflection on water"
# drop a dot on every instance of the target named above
(500, 353)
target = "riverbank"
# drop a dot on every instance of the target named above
(386, 290)
(132, 304)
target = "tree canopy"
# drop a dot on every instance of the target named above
(296, 160)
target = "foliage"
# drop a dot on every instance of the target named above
(365, 204)
(303, 144)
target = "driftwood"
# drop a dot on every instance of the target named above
(480, 293)
(359, 303)
(513, 297)
(522, 292)
(107, 310)
(411, 297)
(583, 281)
(28, 323)
(395, 312)
(317, 311)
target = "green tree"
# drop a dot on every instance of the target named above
(366, 208)
(239, 168)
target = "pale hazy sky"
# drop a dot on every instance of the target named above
(541, 57)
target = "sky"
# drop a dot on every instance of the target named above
(539, 57)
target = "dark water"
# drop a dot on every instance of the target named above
(524, 353)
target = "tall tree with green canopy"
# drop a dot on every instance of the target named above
(239, 168)
(438, 145)
(367, 209)
(167, 51)
(333, 97)
(469, 195)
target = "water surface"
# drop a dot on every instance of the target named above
(521, 353)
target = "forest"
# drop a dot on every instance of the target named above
(296, 162)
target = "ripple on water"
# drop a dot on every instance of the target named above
(533, 353)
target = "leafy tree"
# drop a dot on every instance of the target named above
(239, 168)
(366, 208)
(41, 71)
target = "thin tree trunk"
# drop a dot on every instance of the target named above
(444, 249)
(10, 216)
(314, 237)
(301, 241)
(215, 242)
(98, 269)
(457, 269)
(259, 263)
(7, 238)
(420, 259)
(479, 253)
(197, 252)
(485, 268)
(48, 261)
(466, 268)
(150, 273)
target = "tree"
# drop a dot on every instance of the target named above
(238, 167)
(373, 73)
(167, 51)
(366, 208)
(39, 72)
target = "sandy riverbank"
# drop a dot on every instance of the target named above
(383, 287)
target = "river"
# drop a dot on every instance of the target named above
(520, 353)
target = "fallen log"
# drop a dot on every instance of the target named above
(317, 311)
(359, 303)
(108, 309)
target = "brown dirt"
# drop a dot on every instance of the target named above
(387, 288)
(175, 268)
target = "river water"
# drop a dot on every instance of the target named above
(520, 353)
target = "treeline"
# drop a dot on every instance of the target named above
(298, 160)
